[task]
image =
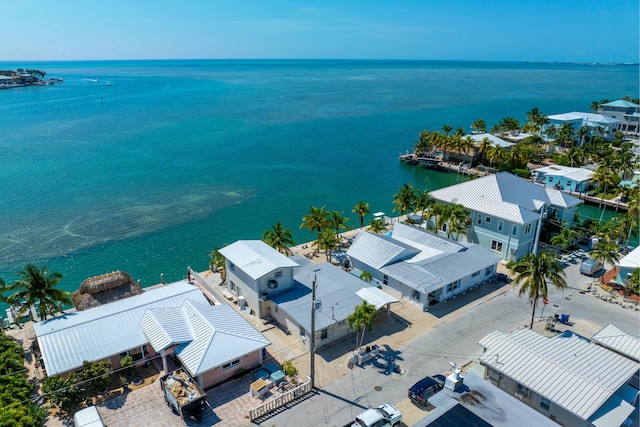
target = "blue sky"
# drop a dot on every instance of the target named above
(497, 30)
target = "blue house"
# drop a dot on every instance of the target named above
(564, 178)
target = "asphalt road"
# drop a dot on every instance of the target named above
(454, 340)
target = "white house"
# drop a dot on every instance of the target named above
(564, 178)
(627, 112)
(505, 211)
(605, 125)
(256, 271)
(280, 287)
(419, 266)
(567, 377)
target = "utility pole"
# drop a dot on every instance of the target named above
(538, 228)
(313, 332)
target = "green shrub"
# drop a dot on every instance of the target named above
(522, 173)
(63, 393)
(127, 364)
(96, 374)
(289, 369)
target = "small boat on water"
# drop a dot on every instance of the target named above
(428, 160)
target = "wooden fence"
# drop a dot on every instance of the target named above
(278, 402)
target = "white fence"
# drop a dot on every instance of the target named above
(278, 402)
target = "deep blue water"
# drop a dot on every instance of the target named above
(176, 158)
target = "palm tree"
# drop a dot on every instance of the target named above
(575, 156)
(467, 143)
(328, 242)
(535, 119)
(316, 220)
(532, 273)
(366, 276)
(362, 318)
(479, 126)
(631, 217)
(377, 226)
(633, 281)
(362, 210)
(446, 129)
(566, 239)
(279, 238)
(424, 202)
(337, 221)
(496, 154)
(605, 178)
(606, 251)
(217, 263)
(37, 285)
(405, 199)
(484, 146)
(458, 220)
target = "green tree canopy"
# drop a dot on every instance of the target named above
(362, 318)
(361, 209)
(37, 285)
(279, 238)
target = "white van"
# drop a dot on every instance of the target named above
(88, 417)
(590, 266)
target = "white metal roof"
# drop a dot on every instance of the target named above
(376, 297)
(478, 137)
(620, 341)
(588, 119)
(576, 174)
(621, 103)
(378, 250)
(66, 341)
(219, 335)
(567, 369)
(631, 260)
(504, 196)
(255, 257)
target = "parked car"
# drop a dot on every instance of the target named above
(421, 391)
(383, 416)
(590, 266)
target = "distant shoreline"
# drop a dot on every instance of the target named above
(10, 79)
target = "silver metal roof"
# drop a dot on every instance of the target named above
(415, 235)
(433, 273)
(567, 369)
(478, 137)
(376, 297)
(335, 289)
(620, 341)
(505, 196)
(631, 260)
(66, 341)
(576, 174)
(378, 250)
(219, 335)
(255, 257)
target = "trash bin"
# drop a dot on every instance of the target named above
(564, 318)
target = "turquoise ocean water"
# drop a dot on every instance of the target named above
(146, 166)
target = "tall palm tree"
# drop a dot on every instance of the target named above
(606, 251)
(467, 144)
(317, 220)
(605, 178)
(632, 217)
(279, 238)
(362, 318)
(404, 200)
(479, 126)
(377, 226)
(37, 285)
(446, 129)
(565, 239)
(361, 209)
(366, 276)
(496, 154)
(424, 202)
(484, 146)
(327, 242)
(458, 220)
(535, 120)
(337, 221)
(532, 273)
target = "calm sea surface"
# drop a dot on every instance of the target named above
(146, 166)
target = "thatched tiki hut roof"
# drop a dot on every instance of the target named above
(104, 289)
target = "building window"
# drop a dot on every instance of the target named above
(323, 334)
(527, 229)
(496, 246)
(545, 403)
(415, 295)
(278, 274)
(453, 286)
(232, 286)
(444, 227)
(488, 271)
(500, 225)
(479, 220)
(476, 274)
(232, 267)
(231, 364)
(522, 390)
(487, 219)
(385, 280)
(514, 230)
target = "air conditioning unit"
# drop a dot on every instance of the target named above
(272, 284)
(519, 395)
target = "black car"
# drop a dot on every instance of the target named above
(421, 391)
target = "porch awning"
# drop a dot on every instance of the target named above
(376, 297)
